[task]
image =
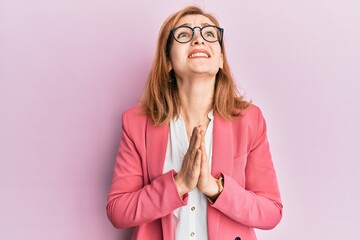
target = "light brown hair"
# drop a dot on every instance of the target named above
(160, 100)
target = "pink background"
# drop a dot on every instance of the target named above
(69, 68)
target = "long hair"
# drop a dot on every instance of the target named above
(160, 99)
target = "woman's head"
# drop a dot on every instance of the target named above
(160, 99)
(194, 47)
(166, 35)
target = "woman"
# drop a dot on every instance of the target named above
(194, 160)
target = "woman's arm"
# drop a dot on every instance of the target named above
(258, 204)
(130, 201)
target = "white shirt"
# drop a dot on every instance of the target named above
(190, 221)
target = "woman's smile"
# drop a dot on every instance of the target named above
(199, 53)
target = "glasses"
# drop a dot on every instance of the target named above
(209, 33)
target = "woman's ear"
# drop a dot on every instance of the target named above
(221, 61)
(169, 66)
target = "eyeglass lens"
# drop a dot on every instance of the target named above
(185, 34)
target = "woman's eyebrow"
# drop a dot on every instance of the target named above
(201, 24)
(185, 24)
(205, 24)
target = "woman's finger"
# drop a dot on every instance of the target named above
(196, 144)
(197, 160)
(193, 137)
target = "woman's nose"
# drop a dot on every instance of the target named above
(197, 39)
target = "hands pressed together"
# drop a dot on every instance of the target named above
(195, 171)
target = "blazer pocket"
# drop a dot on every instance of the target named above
(239, 168)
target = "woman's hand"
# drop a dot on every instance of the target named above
(187, 178)
(195, 171)
(206, 183)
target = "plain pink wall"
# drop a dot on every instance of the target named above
(69, 68)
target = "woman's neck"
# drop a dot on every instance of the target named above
(196, 99)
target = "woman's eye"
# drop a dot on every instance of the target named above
(183, 34)
(210, 34)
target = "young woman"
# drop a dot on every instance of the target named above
(194, 160)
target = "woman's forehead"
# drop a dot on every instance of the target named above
(194, 20)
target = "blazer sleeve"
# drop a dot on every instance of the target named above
(258, 204)
(132, 201)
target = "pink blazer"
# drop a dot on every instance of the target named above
(142, 196)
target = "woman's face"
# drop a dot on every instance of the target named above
(197, 57)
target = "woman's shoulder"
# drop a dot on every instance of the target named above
(251, 113)
(133, 110)
(250, 118)
(134, 114)
(251, 121)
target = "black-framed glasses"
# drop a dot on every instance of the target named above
(210, 33)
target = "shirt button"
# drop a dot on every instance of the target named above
(193, 209)
(192, 234)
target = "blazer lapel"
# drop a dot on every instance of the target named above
(223, 149)
(156, 144)
(222, 162)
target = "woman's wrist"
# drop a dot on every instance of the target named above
(179, 185)
(219, 188)
(212, 188)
